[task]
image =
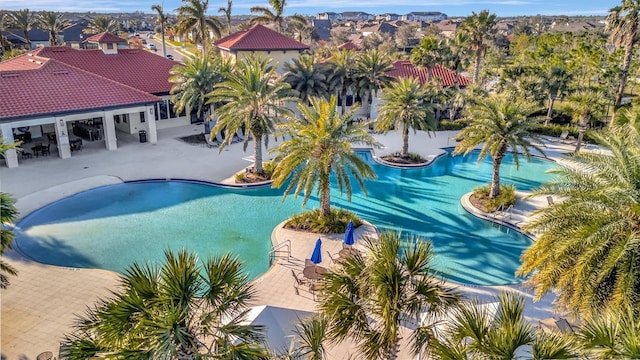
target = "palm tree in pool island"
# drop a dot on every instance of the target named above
(319, 146)
(405, 105)
(501, 125)
(253, 98)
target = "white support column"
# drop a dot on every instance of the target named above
(11, 155)
(110, 131)
(152, 132)
(64, 151)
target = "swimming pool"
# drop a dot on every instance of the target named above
(112, 226)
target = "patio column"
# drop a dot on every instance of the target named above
(64, 151)
(11, 155)
(110, 131)
(152, 132)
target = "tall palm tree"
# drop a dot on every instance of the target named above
(275, 15)
(583, 106)
(342, 64)
(457, 55)
(193, 20)
(227, 15)
(253, 98)
(622, 22)
(299, 27)
(481, 28)
(555, 80)
(371, 74)
(194, 80)
(586, 252)
(100, 24)
(306, 78)
(405, 105)
(53, 23)
(180, 310)
(23, 20)
(162, 19)
(368, 298)
(428, 54)
(319, 146)
(4, 26)
(500, 125)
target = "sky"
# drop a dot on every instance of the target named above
(312, 7)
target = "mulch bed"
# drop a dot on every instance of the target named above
(478, 204)
(197, 139)
(402, 160)
(252, 178)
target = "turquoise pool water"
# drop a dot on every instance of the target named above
(113, 226)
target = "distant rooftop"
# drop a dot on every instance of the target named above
(259, 37)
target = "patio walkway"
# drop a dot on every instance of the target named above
(39, 306)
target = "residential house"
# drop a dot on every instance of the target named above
(322, 28)
(448, 28)
(349, 45)
(37, 38)
(64, 94)
(383, 28)
(329, 16)
(356, 15)
(388, 17)
(425, 16)
(261, 40)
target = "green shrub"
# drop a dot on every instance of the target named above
(507, 197)
(451, 125)
(268, 167)
(312, 221)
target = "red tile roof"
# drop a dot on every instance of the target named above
(32, 86)
(105, 37)
(349, 45)
(404, 68)
(137, 68)
(259, 37)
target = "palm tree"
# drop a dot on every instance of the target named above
(319, 146)
(194, 80)
(586, 251)
(405, 105)
(8, 215)
(501, 125)
(162, 19)
(556, 81)
(227, 15)
(474, 332)
(342, 64)
(614, 334)
(54, 24)
(253, 98)
(193, 20)
(481, 28)
(22, 20)
(371, 75)
(457, 54)
(428, 54)
(583, 106)
(299, 27)
(368, 298)
(622, 22)
(312, 336)
(306, 78)
(275, 15)
(180, 309)
(100, 24)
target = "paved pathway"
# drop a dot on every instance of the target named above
(39, 306)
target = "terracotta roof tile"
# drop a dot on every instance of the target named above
(53, 87)
(259, 37)
(349, 45)
(404, 68)
(105, 37)
(137, 68)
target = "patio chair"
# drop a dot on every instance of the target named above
(564, 326)
(45, 149)
(565, 138)
(308, 262)
(210, 143)
(550, 200)
(332, 260)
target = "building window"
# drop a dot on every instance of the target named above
(163, 109)
(125, 118)
(116, 118)
(142, 119)
(110, 46)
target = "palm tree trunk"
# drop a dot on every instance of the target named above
(626, 63)
(344, 99)
(405, 141)
(257, 152)
(495, 177)
(552, 100)
(325, 194)
(476, 70)
(164, 45)
(581, 128)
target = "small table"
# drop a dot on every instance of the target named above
(47, 355)
(348, 252)
(38, 149)
(314, 272)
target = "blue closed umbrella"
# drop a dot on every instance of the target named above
(316, 257)
(348, 235)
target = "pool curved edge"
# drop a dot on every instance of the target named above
(381, 161)
(466, 204)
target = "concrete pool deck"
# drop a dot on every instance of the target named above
(38, 307)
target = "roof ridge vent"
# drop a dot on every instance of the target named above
(59, 49)
(9, 74)
(58, 72)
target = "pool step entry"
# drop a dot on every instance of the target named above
(280, 251)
